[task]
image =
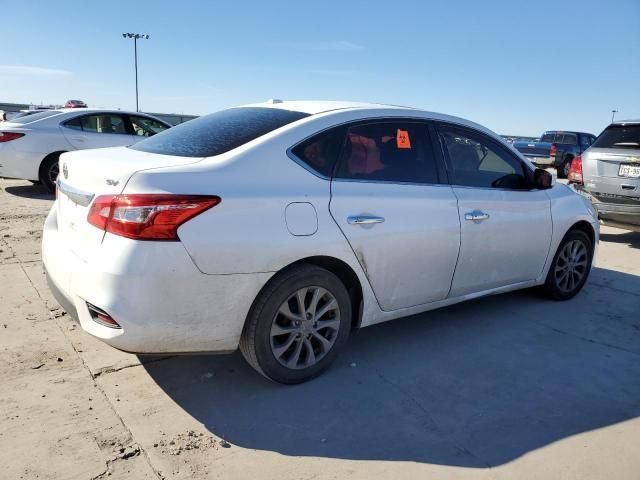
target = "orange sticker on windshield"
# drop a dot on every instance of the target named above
(402, 139)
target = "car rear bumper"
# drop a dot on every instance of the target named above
(15, 163)
(153, 290)
(617, 215)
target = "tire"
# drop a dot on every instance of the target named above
(49, 172)
(271, 339)
(563, 170)
(568, 274)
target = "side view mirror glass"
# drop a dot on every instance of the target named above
(543, 179)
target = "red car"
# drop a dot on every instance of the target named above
(75, 104)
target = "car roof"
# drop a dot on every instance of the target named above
(626, 122)
(98, 110)
(314, 107)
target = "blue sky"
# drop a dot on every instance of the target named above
(517, 67)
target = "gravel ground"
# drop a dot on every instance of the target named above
(512, 386)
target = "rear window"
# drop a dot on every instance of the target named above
(218, 132)
(560, 137)
(35, 117)
(619, 136)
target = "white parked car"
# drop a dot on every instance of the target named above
(31, 145)
(280, 227)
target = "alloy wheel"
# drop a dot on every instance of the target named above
(54, 170)
(571, 265)
(305, 328)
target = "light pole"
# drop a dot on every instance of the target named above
(613, 114)
(135, 37)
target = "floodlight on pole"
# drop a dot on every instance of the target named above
(136, 37)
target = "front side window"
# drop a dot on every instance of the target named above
(103, 123)
(474, 160)
(145, 126)
(585, 141)
(321, 151)
(390, 151)
(218, 132)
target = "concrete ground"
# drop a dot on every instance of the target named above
(512, 386)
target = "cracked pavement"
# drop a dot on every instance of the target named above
(512, 386)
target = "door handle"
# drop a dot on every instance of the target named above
(79, 139)
(476, 216)
(364, 220)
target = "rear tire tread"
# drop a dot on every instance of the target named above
(247, 342)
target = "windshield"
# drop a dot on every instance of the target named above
(619, 136)
(35, 117)
(218, 132)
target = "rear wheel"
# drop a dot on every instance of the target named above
(297, 325)
(49, 172)
(563, 170)
(571, 266)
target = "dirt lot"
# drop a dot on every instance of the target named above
(513, 386)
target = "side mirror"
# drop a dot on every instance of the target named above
(543, 179)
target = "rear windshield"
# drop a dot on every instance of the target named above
(218, 132)
(35, 117)
(619, 136)
(560, 137)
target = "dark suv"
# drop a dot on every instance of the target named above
(611, 174)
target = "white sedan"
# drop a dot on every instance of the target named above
(279, 227)
(31, 145)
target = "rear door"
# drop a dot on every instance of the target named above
(400, 221)
(98, 130)
(505, 225)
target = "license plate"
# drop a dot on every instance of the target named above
(629, 171)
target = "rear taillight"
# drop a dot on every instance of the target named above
(575, 171)
(147, 216)
(552, 151)
(8, 136)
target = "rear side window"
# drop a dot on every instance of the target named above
(389, 151)
(619, 136)
(560, 137)
(321, 151)
(218, 132)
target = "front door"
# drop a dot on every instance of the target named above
(505, 223)
(400, 221)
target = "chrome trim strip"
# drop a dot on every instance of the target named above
(78, 196)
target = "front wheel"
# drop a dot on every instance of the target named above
(571, 266)
(297, 325)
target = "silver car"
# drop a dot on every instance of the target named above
(611, 174)
(279, 227)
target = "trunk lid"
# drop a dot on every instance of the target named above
(602, 171)
(87, 174)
